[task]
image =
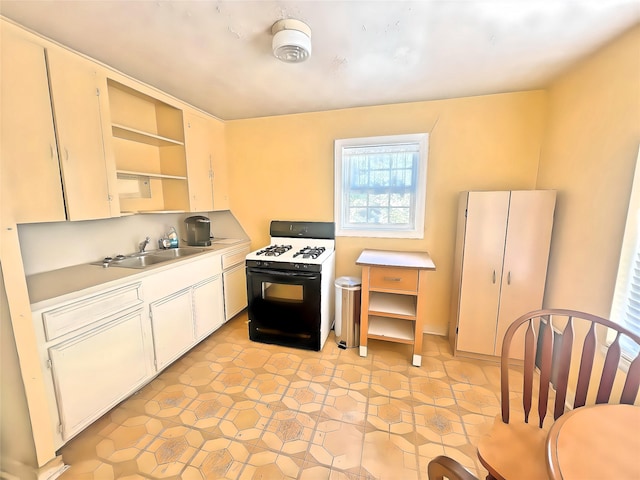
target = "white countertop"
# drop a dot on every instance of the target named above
(385, 258)
(58, 285)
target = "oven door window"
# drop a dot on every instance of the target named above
(282, 292)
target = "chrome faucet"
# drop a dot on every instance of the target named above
(143, 244)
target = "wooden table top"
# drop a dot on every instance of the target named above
(386, 258)
(595, 442)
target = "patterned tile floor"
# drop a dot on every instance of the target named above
(235, 409)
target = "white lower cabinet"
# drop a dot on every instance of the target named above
(172, 326)
(185, 304)
(207, 299)
(235, 291)
(234, 279)
(97, 349)
(95, 370)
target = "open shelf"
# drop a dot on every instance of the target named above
(127, 133)
(149, 174)
(149, 151)
(392, 305)
(391, 329)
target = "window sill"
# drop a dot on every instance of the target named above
(409, 235)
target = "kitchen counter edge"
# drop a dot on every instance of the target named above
(56, 286)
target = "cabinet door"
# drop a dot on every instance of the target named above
(96, 370)
(199, 173)
(235, 291)
(30, 171)
(89, 181)
(485, 232)
(208, 306)
(172, 326)
(525, 258)
(219, 165)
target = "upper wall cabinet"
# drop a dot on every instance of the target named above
(53, 145)
(199, 167)
(31, 183)
(219, 166)
(206, 163)
(80, 110)
(80, 141)
(148, 141)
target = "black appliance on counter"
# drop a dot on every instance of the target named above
(198, 231)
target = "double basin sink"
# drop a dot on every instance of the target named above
(146, 259)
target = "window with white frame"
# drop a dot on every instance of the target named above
(380, 186)
(625, 308)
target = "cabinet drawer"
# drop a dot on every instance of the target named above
(402, 279)
(235, 257)
(76, 315)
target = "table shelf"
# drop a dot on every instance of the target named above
(392, 305)
(391, 330)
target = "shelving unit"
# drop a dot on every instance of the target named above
(393, 298)
(148, 137)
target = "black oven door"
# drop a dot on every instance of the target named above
(284, 307)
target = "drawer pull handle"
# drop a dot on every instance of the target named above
(392, 279)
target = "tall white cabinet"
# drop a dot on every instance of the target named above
(502, 251)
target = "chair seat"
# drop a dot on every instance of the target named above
(514, 451)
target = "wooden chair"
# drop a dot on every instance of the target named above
(445, 467)
(569, 360)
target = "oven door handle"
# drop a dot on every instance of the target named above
(284, 273)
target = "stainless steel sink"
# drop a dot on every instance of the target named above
(138, 261)
(153, 257)
(177, 252)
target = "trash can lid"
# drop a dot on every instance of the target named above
(348, 282)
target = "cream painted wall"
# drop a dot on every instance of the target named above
(282, 168)
(589, 156)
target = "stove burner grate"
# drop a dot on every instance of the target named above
(310, 252)
(274, 250)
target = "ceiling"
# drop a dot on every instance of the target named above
(216, 55)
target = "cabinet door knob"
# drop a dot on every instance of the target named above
(494, 277)
(509, 278)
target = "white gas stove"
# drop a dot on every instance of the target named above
(290, 285)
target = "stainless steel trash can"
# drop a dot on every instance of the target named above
(347, 326)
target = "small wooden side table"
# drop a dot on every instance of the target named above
(393, 298)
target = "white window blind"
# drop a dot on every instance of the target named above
(625, 308)
(380, 186)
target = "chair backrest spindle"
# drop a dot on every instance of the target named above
(609, 371)
(632, 383)
(564, 365)
(586, 366)
(546, 362)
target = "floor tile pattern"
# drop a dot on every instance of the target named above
(235, 409)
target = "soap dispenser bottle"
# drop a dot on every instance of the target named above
(173, 238)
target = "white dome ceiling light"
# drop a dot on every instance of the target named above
(291, 40)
